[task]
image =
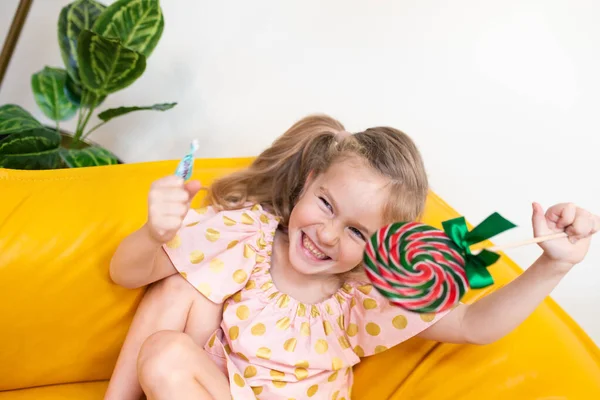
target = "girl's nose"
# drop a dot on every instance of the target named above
(328, 234)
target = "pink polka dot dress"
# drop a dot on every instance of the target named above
(270, 345)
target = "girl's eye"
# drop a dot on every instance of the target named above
(326, 203)
(357, 233)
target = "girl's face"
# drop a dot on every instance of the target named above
(337, 213)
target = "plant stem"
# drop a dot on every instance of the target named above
(93, 129)
(78, 129)
(87, 118)
(79, 120)
(79, 113)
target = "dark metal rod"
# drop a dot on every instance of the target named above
(13, 36)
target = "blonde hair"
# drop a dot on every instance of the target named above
(277, 176)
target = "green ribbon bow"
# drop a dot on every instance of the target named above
(476, 265)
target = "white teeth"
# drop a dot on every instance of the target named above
(309, 246)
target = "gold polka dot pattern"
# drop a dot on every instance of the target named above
(243, 312)
(215, 265)
(237, 297)
(369, 304)
(290, 344)
(258, 329)
(196, 257)
(205, 289)
(312, 390)
(400, 322)
(344, 342)
(247, 219)
(276, 343)
(305, 329)
(373, 329)
(352, 330)
(283, 323)
(264, 353)
(301, 373)
(336, 364)
(276, 374)
(257, 390)
(238, 380)
(427, 317)
(379, 349)
(250, 371)
(327, 328)
(240, 276)
(333, 376)
(228, 221)
(212, 235)
(249, 251)
(234, 332)
(321, 346)
(278, 384)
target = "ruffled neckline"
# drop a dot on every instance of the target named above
(262, 281)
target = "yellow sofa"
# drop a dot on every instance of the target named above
(62, 321)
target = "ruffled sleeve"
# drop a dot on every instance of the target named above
(374, 325)
(217, 251)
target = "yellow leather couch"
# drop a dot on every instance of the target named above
(62, 321)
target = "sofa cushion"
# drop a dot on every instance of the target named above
(72, 391)
(64, 321)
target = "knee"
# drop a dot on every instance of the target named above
(172, 286)
(160, 359)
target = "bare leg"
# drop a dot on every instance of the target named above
(167, 305)
(172, 366)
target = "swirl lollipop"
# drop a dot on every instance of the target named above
(426, 270)
(416, 267)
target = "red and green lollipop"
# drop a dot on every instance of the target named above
(427, 270)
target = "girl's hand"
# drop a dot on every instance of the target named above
(168, 203)
(579, 225)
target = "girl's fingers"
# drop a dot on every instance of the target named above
(175, 210)
(175, 196)
(582, 225)
(169, 181)
(562, 215)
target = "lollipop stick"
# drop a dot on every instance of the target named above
(523, 242)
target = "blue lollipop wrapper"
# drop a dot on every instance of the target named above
(184, 169)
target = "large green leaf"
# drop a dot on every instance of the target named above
(81, 97)
(105, 66)
(111, 113)
(73, 19)
(48, 87)
(88, 157)
(138, 24)
(15, 119)
(36, 148)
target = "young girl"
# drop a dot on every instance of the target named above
(262, 293)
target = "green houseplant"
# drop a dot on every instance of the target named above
(104, 50)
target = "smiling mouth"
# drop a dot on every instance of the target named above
(312, 250)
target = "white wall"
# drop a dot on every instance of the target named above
(502, 97)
